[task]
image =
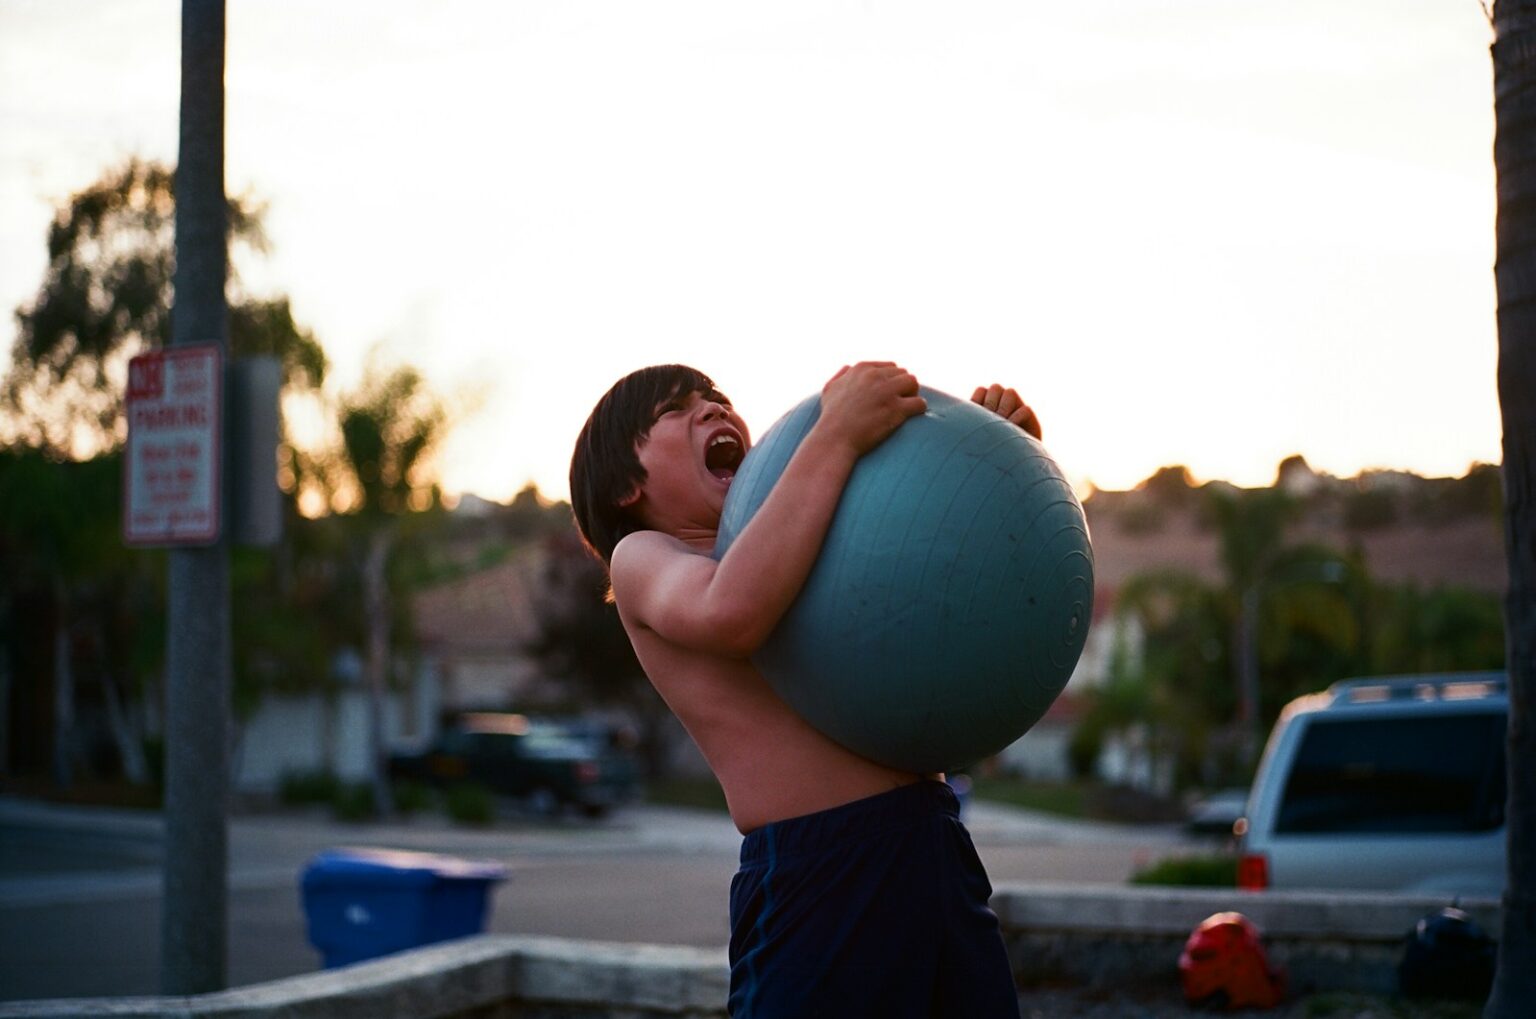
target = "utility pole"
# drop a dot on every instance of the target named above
(1514, 82)
(194, 917)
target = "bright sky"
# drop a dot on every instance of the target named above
(1209, 233)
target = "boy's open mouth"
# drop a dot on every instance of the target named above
(723, 455)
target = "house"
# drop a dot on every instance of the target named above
(472, 633)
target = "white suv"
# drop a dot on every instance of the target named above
(1394, 783)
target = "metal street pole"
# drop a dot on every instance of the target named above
(194, 917)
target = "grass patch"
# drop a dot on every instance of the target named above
(1196, 871)
(1090, 801)
(1068, 799)
(698, 793)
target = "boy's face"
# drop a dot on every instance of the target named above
(690, 457)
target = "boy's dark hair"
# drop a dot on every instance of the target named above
(605, 467)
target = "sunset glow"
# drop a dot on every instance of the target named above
(1209, 234)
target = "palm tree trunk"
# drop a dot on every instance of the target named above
(1247, 662)
(130, 744)
(1514, 78)
(376, 606)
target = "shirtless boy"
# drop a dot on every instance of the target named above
(859, 892)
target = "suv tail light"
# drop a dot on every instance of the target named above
(1253, 872)
(587, 772)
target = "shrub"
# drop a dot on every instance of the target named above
(297, 788)
(1199, 871)
(1084, 748)
(412, 798)
(470, 804)
(354, 801)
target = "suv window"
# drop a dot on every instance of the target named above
(1398, 775)
(553, 745)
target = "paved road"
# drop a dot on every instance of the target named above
(80, 889)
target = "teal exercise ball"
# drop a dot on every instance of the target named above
(952, 594)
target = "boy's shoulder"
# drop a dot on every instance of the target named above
(647, 541)
(641, 550)
(649, 568)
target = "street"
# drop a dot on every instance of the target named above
(80, 889)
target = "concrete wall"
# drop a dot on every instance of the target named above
(1088, 936)
(1107, 937)
(485, 977)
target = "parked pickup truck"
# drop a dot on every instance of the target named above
(545, 763)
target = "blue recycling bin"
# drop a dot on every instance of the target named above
(363, 903)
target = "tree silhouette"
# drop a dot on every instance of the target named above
(390, 427)
(60, 536)
(106, 296)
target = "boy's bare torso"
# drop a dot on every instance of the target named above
(770, 762)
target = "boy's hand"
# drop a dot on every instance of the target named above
(863, 404)
(1007, 403)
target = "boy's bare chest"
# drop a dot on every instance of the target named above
(708, 693)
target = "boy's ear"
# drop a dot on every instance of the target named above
(630, 498)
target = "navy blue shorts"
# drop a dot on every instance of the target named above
(875, 908)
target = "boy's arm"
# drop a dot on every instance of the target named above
(1008, 404)
(730, 606)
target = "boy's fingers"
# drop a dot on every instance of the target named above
(993, 397)
(1025, 418)
(1008, 402)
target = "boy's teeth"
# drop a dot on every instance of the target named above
(723, 465)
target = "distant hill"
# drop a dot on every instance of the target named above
(1432, 532)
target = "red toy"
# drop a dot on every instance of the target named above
(1223, 965)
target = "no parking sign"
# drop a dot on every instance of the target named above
(172, 462)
